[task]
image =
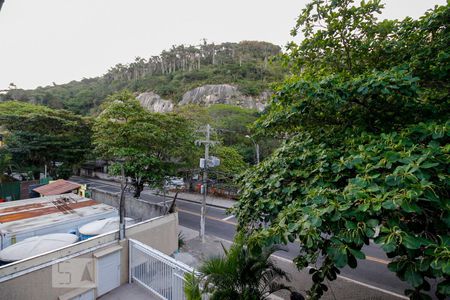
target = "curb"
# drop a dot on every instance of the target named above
(196, 202)
(107, 182)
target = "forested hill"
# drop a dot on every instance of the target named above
(172, 73)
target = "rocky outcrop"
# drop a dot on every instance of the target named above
(223, 94)
(206, 95)
(154, 103)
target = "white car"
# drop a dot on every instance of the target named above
(174, 182)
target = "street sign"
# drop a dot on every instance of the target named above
(212, 162)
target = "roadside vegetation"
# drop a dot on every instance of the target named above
(366, 113)
(241, 273)
(354, 143)
(36, 136)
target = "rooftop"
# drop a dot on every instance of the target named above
(16, 216)
(57, 187)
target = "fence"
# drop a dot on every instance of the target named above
(161, 274)
(21, 189)
(10, 191)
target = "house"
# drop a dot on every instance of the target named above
(22, 219)
(94, 267)
(60, 186)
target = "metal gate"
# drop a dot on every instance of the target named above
(156, 271)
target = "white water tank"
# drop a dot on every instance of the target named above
(36, 245)
(101, 226)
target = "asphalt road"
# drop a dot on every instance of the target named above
(371, 272)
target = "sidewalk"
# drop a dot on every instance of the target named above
(191, 197)
(129, 291)
(198, 198)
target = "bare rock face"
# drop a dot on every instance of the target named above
(223, 94)
(206, 95)
(154, 103)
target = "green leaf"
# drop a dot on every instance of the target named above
(429, 165)
(424, 264)
(389, 247)
(443, 288)
(411, 242)
(392, 156)
(393, 180)
(350, 225)
(410, 207)
(372, 222)
(446, 267)
(351, 261)
(369, 232)
(412, 277)
(389, 204)
(395, 266)
(357, 253)
(339, 256)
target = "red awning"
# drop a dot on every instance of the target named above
(57, 187)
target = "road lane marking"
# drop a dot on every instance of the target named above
(228, 218)
(208, 217)
(350, 280)
(340, 276)
(373, 287)
(378, 260)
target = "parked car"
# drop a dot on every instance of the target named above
(174, 183)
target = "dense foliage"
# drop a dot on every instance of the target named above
(242, 273)
(38, 136)
(333, 196)
(169, 74)
(151, 146)
(365, 115)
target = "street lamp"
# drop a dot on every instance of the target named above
(256, 148)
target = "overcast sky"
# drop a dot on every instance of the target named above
(58, 41)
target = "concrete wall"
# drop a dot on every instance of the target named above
(24, 188)
(100, 175)
(31, 279)
(134, 208)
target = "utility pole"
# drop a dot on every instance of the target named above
(257, 153)
(256, 148)
(205, 183)
(207, 142)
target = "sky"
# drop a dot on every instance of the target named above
(48, 41)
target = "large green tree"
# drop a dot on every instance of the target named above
(365, 114)
(152, 146)
(37, 136)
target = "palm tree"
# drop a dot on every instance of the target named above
(243, 273)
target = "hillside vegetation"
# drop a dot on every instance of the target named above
(245, 64)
